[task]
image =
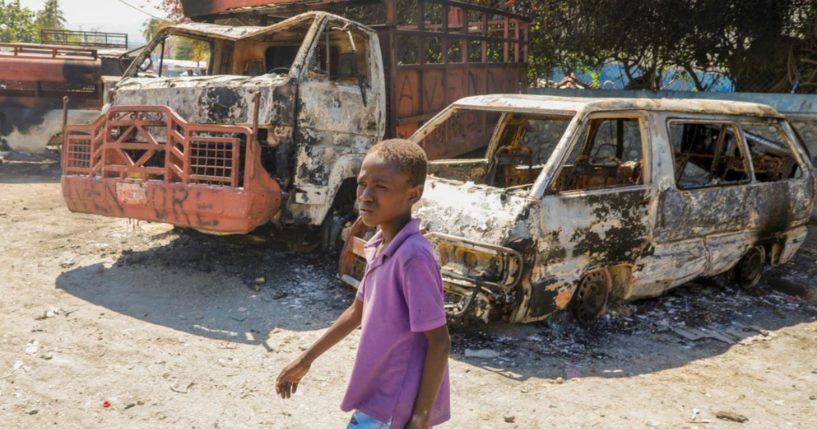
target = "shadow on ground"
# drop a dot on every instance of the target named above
(226, 288)
(222, 288)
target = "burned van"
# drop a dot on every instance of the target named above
(575, 202)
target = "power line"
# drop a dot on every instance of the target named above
(141, 10)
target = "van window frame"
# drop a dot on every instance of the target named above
(792, 144)
(578, 133)
(741, 143)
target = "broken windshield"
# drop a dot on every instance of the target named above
(182, 52)
(502, 150)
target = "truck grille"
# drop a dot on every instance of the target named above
(154, 143)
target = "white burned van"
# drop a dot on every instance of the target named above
(574, 202)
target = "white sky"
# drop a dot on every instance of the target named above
(105, 15)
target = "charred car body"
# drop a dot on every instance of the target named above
(576, 201)
(274, 125)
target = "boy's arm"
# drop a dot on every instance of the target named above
(348, 321)
(439, 345)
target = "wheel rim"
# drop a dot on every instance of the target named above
(591, 296)
(751, 267)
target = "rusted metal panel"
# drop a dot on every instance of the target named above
(146, 162)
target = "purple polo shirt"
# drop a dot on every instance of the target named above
(402, 295)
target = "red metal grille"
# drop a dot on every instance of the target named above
(78, 155)
(154, 143)
(212, 160)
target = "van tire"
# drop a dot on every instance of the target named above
(591, 296)
(749, 270)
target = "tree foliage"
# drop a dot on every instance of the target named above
(758, 44)
(181, 48)
(51, 16)
(151, 28)
(17, 23)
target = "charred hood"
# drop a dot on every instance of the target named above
(474, 212)
(209, 99)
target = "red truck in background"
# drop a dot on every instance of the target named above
(34, 79)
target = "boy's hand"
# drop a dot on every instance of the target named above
(287, 383)
(418, 422)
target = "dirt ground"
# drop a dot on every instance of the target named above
(111, 323)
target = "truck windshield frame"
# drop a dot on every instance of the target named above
(232, 56)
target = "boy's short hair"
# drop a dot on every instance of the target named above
(409, 157)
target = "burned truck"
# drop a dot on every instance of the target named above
(273, 127)
(35, 78)
(576, 202)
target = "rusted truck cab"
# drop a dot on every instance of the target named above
(575, 202)
(268, 128)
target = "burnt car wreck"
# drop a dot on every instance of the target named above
(575, 202)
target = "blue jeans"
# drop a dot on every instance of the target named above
(361, 421)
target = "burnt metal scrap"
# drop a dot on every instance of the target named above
(576, 202)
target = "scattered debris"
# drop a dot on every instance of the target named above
(481, 353)
(49, 313)
(32, 347)
(510, 419)
(33, 412)
(697, 334)
(185, 389)
(106, 404)
(731, 416)
(17, 365)
(735, 333)
(793, 288)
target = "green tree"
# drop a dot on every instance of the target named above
(17, 23)
(152, 27)
(761, 45)
(189, 49)
(51, 17)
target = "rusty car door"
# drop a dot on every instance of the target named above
(702, 226)
(596, 208)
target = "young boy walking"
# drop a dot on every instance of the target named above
(400, 377)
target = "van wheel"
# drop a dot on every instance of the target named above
(749, 269)
(590, 298)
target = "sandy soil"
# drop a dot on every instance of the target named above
(173, 330)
